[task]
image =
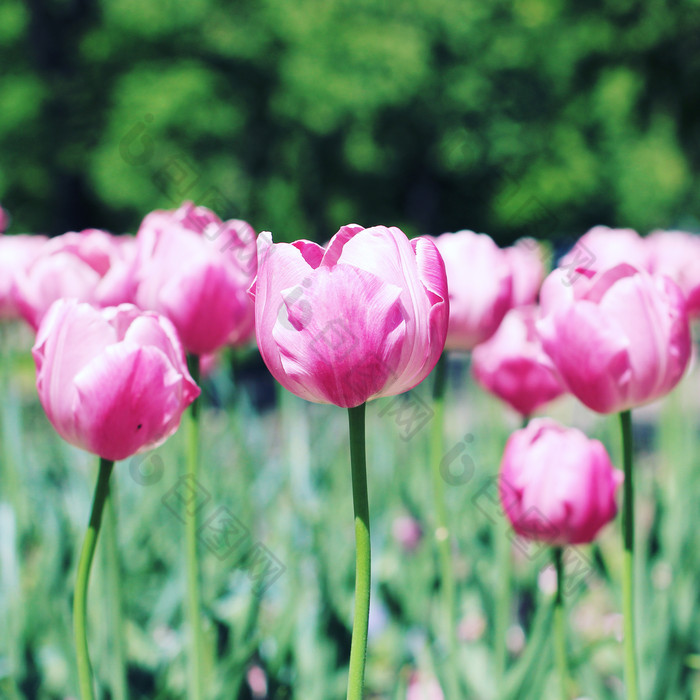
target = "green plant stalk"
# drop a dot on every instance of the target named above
(81, 583)
(358, 461)
(442, 531)
(194, 611)
(560, 625)
(116, 634)
(505, 572)
(630, 653)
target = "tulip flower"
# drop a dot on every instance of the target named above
(599, 250)
(86, 266)
(676, 254)
(196, 270)
(527, 269)
(480, 283)
(557, 485)
(364, 317)
(113, 382)
(16, 254)
(619, 342)
(4, 220)
(513, 366)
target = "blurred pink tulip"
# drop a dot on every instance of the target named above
(407, 532)
(73, 266)
(16, 254)
(424, 687)
(620, 342)
(113, 381)
(556, 485)
(362, 318)
(196, 270)
(4, 220)
(527, 268)
(480, 283)
(676, 254)
(599, 250)
(513, 366)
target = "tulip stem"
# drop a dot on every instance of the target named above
(194, 612)
(358, 461)
(83, 576)
(560, 624)
(630, 654)
(116, 634)
(442, 533)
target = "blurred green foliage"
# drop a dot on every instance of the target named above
(519, 117)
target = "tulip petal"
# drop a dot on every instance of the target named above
(69, 338)
(345, 349)
(126, 399)
(591, 354)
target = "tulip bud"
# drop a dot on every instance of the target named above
(556, 485)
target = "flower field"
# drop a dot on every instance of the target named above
(468, 598)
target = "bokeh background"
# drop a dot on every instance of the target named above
(512, 117)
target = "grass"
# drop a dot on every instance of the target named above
(278, 563)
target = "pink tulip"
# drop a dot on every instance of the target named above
(73, 266)
(513, 366)
(599, 250)
(362, 318)
(556, 485)
(196, 269)
(16, 254)
(114, 381)
(424, 687)
(677, 255)
(619, 342)
(4, 220)
(527, 268)
(480, 285)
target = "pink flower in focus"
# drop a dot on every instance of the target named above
(556, 485)
(16, 254)
(513, 366)
(480, 283)
(619, 342)
(424, 687)
(676, 254)
(113, 381)
(196, 270)
(599, 250)
(72, 266)
(527, 268)
(364, 317)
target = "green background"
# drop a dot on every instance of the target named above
(521, 117)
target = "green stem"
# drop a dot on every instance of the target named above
(631, 673)
(505, 570)
(116, 634)
(442, 532)
(560, 625)
(81, 583)
(503, 605)
(194, 613)
(358, 648)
